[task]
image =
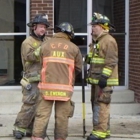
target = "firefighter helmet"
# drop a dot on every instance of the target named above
(65, 27)
(39, 19)
(103, 20)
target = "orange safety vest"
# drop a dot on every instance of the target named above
(56, 91)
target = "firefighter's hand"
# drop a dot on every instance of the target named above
(102, 81)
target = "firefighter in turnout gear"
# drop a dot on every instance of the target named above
(30, 51)
(102, 74)
(61, 62)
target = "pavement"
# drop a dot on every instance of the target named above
(123, 127)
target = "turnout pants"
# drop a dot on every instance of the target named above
(63, 110)
(26, 115)
(100, 101)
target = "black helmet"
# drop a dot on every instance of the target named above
(65, 27)
(39, 19)
(98, 18)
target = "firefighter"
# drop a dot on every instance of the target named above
(30, 51)
(102, 74)
(61, 62)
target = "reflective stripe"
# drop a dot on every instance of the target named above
(58, 60)
(108, 133)
(95, 54)
(97, 60)
(92, 81)
(48, 86)
(99, 134)
(20, 129)
(90, 54)
(107, 71)
(114, 82)
(111, 82)
(97, 46)
(56, 98)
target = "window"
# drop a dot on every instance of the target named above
(72, 11)
(12, 21)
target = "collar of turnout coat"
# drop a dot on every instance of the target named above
(37, 37)
(100, 36)
(61, 35)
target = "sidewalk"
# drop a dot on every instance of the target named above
(122, 127)
(70, 138)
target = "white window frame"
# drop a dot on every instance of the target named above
(88, 34)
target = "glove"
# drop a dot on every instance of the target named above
(102, 81)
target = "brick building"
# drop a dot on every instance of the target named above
(124, 14)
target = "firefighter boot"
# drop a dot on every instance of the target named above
(18, 134)
(93, 137)
(36, 138)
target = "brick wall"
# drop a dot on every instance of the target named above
(134, 48)
(42, 6)
(119, 22)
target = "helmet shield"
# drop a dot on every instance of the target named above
(65, 27)
(39, 19)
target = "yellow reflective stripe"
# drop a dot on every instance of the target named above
(108, 132)
(107, 71)
(90, 54)
(110, 82)
(98, 60)
(20, 129)
(95, 54)
(114, 82)
(97, 45)
(93, 81)
(99, 134)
